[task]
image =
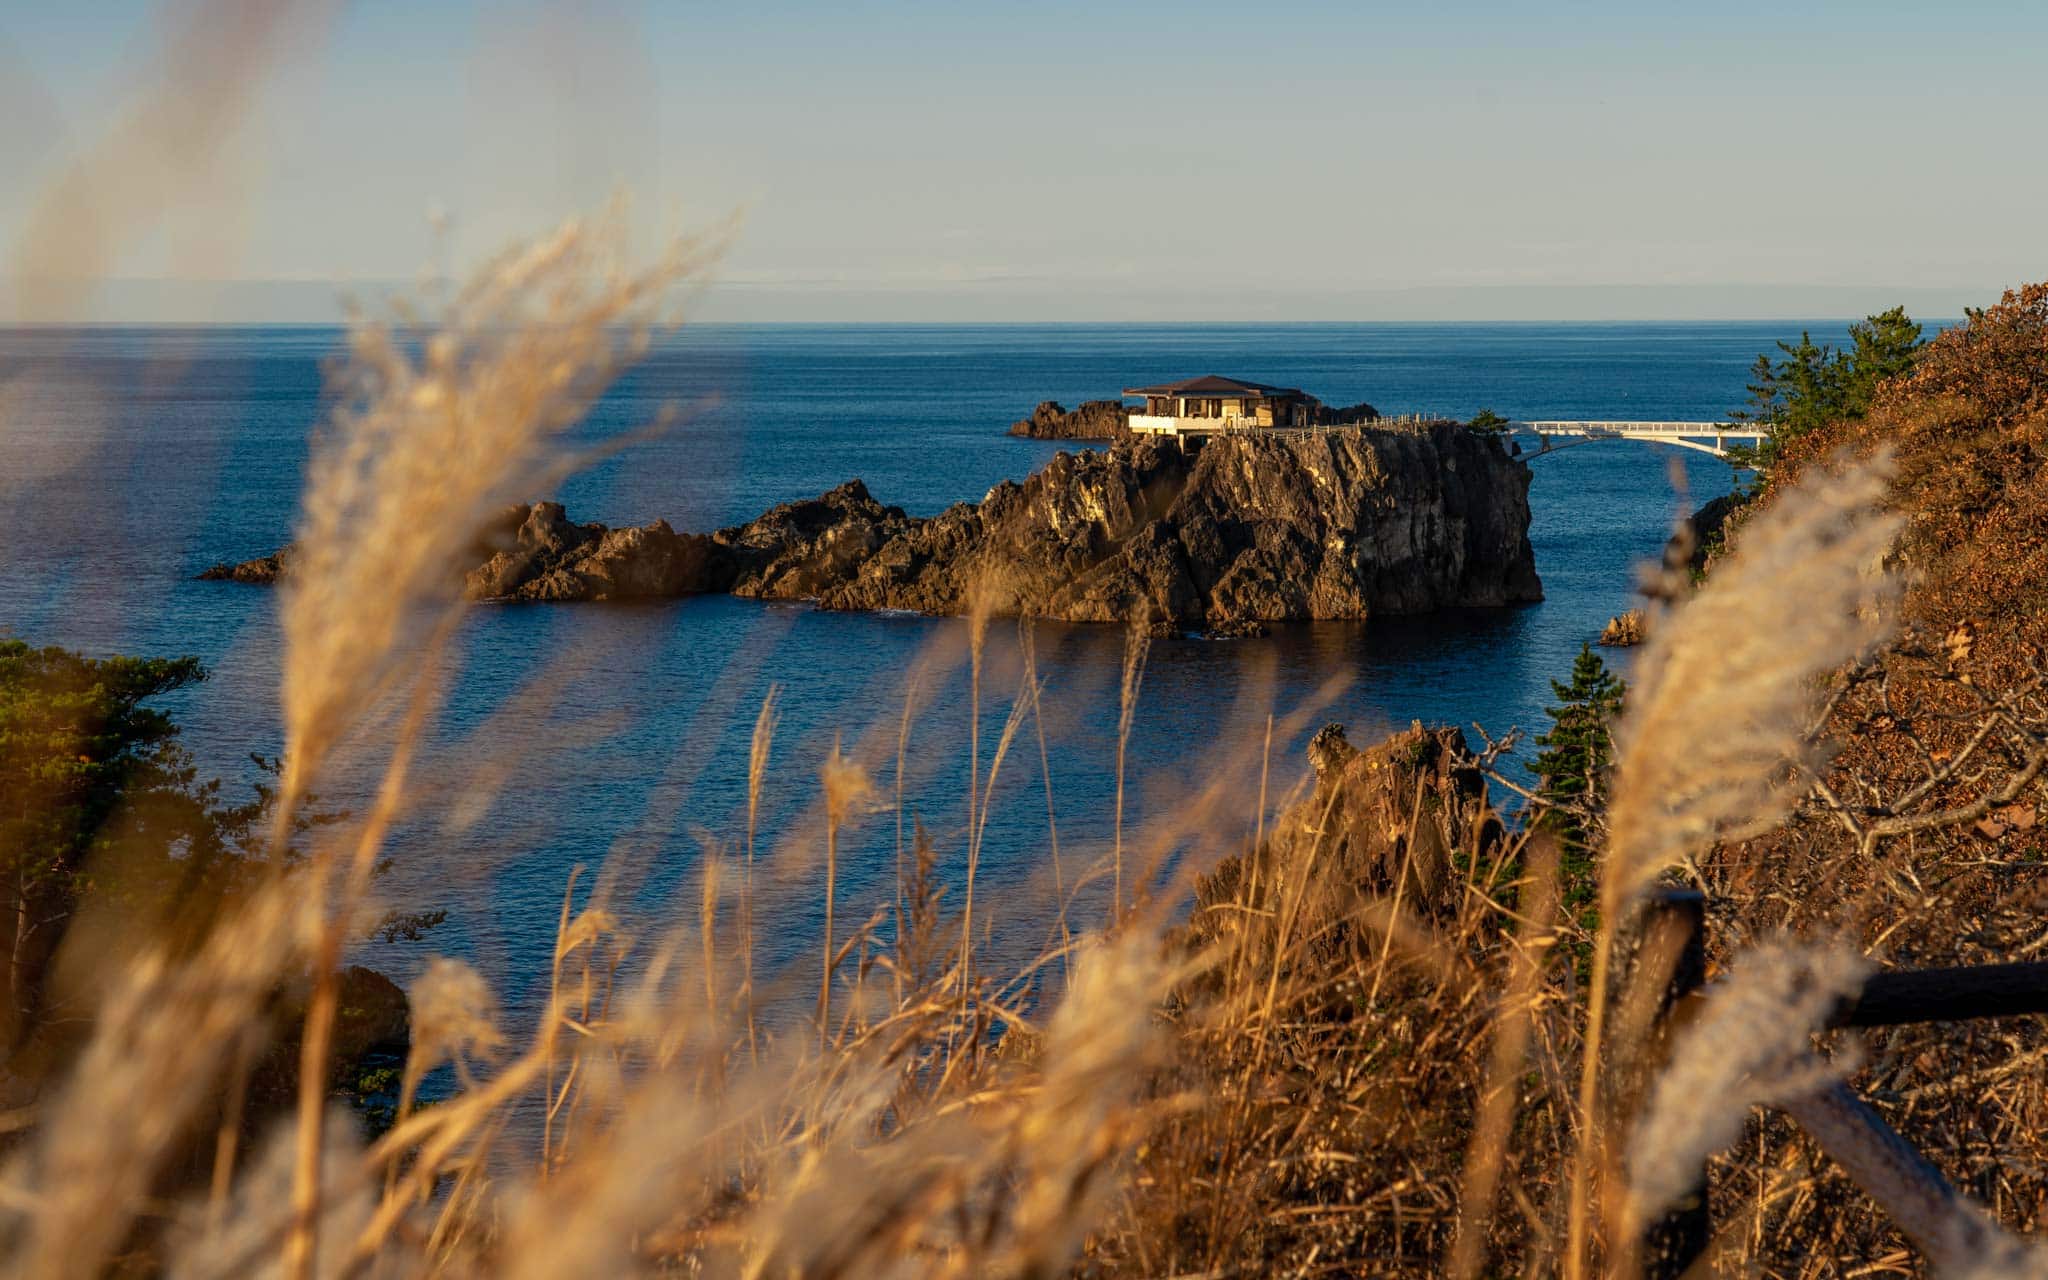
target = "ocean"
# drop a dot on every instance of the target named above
(616, 737)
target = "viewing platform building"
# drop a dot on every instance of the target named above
(1213, 405)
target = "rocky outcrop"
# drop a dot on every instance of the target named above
(1242, 530)
(1050, 546)
(803, 550)
(1094, 420)
(1350, 415)
(1402, 806)
(550, 557)
(1707, 529)
(1388, 819)
(262, 571)
(1222, 537)
(1624, 630)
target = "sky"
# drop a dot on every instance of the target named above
(1577, 159)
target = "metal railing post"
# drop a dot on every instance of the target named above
(1672, 929)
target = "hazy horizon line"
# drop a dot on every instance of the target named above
(297, 302)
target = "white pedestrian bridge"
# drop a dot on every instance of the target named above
(1707, 437)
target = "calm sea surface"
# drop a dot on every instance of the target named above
(617, 736)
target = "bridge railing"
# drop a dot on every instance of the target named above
(1616, 428)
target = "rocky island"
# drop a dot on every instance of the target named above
(1221, 535)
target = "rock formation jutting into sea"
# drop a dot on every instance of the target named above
(1220, 537)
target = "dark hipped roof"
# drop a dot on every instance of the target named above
(1211, 386)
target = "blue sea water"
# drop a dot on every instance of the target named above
(618, 736)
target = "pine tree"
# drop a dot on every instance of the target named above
(1814, 384)
(1578, 750)
(1488, 423)
(1885, 345)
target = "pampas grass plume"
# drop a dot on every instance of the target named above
(1724, 689)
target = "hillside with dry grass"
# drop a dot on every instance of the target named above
(1921, 838)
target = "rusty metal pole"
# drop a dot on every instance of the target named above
(1673, 1243)
(1953, 1232)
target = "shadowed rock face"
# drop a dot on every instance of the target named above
(550, 557)
(803, 550)
(262, 571)
(1235, 533)
(1384, 820)
(1242, 530)
(1094, 420)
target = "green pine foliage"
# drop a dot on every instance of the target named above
(1578, 751)
(101, 803)
(96, 793)
(1488, 423)
(1813, 384)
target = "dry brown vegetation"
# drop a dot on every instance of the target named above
(1919, 841)
(1370, 1041)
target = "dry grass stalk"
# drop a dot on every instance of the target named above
(981, 605)
(1750, 1044)
(847, 792)
(1719, 711)
(757, 773)
(1724, 692)
(1027, 643)
(1137, 645)
(426, 447)
(421, 452)
(1514, 1026)
(164, 1032)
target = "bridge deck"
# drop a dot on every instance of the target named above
(1707, 437)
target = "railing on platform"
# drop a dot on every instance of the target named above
(1156, 424)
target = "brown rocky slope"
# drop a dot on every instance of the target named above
(1235, 533)
(1926, 846)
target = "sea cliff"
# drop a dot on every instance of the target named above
(1223, 537)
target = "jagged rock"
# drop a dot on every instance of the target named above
(263, 571)
(1032, 545)
(372, 1013)
(1401, 807)
(801, 550)
(1094, 420)
(1624, 630)
(1707, 528)
(1240, 530)
(552, 558)
(1329, 415)
(1329, 751)
(1225, 537)
(1353, 523)
(1381, 821)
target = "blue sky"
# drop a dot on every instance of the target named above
(1065, 161)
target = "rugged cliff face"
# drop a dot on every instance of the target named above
(1094, 420)
(1238, 532)
(547, 556)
